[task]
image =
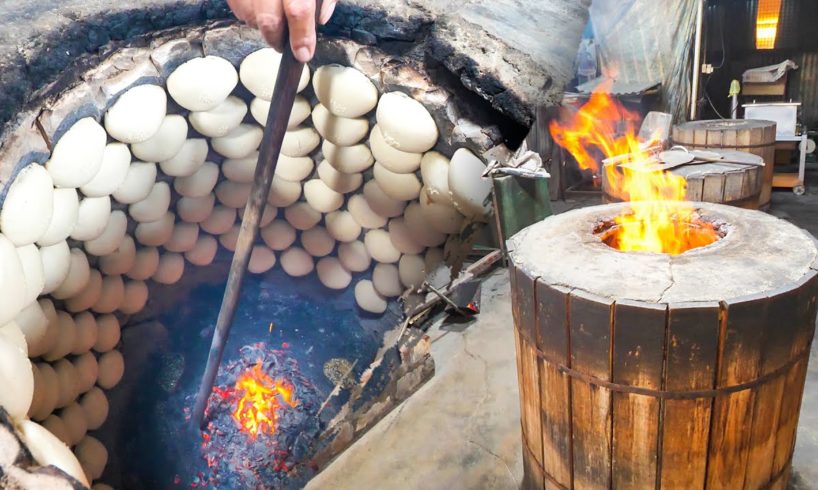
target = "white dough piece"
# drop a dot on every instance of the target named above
(188, 160)
(317, 242)
(145, 264)
(56, 264)
(402, 187)
(368, 299)
(260, 109)
(33, 325)
(338, 181)
(219, 221)
(345, 91)
(12, 334)
(434, 170)
(26, 213)
(201, 84)
(78, 154)
(66, 335)
(203, 252)
(220, 120)
(347, 159)
(33, 271)
(321, 197)
(403, 238)
(294, 169)
(113, 293)
(278, 235)
(75, 423)
(380, 247)
(137, 184)
(230, 239)
(354, 256)
(300, 141)
(157, 233)
(241, 170)
(137, 114)
(405, 124)
(296, 262)
(418, 224)
(108, 333)
(342, 131)
(111, 369)
(94, 404)
(200, 183)
(47, 450)
(342, 226)
(67, 382)
(12, 277)
(93, 457)
(412, 271)
(262, 259)
(233, 195)
(195, 209)
(79, 272)
(166, 143)
(258, 73)
(92, 217)
(136, 295)
(381, 203)
(239, 143)
(49, 391)
(363, 213)
(87, 369)
(153, 207)
(444, 218)
(112, 236)
(184, 238)
(468, 187)
(121, 260)
(63, 217)
(171, 268)
(386, 280)
(88, 295)
(51, 333)
(302, 216)
(115, 162)
(332, 273)
(283, 192)
(397, 161)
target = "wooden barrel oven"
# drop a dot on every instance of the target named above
(748, 135)
(649, 370)
(725, 182)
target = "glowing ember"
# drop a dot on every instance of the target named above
(257, 408)
(661, 220)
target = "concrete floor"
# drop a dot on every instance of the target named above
(461, 430)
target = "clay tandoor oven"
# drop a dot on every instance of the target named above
(650, 370)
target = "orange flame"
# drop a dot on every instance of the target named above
(661, 220)
(257, 409)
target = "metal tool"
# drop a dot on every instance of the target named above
(286, 87)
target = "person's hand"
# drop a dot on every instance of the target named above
(271, 16)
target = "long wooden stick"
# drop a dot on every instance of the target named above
(286, 87)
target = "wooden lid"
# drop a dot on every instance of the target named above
(759, 254)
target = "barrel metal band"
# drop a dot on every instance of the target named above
(663, 394)
(722, 146)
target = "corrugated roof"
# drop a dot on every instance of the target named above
(617, 87)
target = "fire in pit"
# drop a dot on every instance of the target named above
(663, 221)
(258, 403)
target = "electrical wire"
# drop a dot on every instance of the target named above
(720, 65)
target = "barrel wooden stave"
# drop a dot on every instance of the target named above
(594, 437)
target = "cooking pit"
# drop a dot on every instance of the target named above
(125, 172)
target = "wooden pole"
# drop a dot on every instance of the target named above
(286, 87)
